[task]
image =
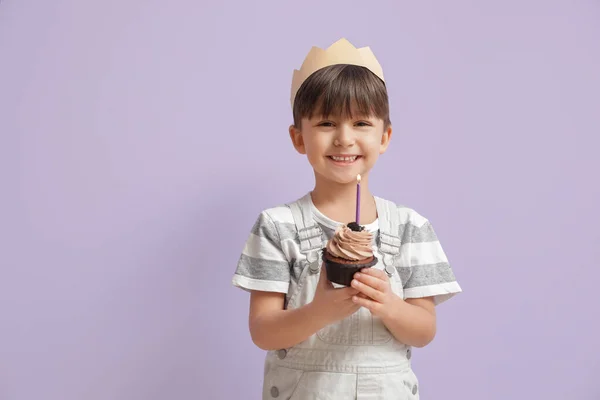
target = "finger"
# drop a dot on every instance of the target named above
(369, 304)
(377, 273)
(372, 281)
(369, 291)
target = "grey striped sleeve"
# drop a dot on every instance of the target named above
(431, 274)
(263, 265)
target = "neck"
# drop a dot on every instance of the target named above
(338, 201)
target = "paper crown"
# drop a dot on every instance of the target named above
(341, 52)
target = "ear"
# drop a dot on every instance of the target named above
(385, 139)
(297, 139)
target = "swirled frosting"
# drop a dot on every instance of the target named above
(350, 245)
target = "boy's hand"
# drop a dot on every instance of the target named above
(333, 304)
(375, 292)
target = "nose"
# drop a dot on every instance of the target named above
(344, 136)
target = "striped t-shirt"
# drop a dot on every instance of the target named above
(268, 260)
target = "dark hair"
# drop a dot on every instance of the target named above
(336, 89)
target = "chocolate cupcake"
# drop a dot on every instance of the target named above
(347, 252)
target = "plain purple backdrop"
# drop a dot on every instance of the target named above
(140, 140)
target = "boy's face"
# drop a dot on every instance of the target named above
(339, 148)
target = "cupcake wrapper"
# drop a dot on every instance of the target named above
(343, 274)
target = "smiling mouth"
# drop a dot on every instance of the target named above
(344, 159)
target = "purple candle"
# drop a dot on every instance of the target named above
(358, 199)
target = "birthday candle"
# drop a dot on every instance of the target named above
(358, 199)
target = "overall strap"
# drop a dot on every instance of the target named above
(389, 232)
(308, 230)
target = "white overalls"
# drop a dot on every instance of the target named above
(355, 358)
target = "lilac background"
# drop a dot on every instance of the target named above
(140, 140)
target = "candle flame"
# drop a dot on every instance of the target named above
(358, 178)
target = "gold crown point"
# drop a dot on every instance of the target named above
(341, 43)
(314, 56)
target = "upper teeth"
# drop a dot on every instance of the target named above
(352, 158)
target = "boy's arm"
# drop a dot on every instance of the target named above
(412, 321)
(273, 328)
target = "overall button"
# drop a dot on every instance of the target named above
(281, 354)
(414, 391)
(314, 267)
(275, 391)
(408, 354)
(389, 269)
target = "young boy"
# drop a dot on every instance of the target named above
(355, 342)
